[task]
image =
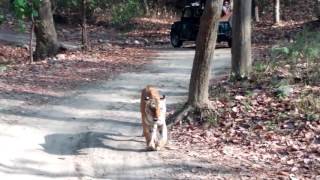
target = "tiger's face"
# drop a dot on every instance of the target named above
(155, 109)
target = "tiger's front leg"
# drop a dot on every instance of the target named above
(153, 138)
(163, 131)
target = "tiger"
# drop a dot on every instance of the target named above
(153, 117)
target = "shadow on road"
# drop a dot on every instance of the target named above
(23, 169)
(178, 169)
(73, 144)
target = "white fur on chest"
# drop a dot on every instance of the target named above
(162, 118)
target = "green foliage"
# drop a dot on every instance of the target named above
(260, 67)
(75, 4)
(280, 50)
(309, 105)
(213, 119)
(3, 68)
(2, 18)
(306, 45)
(70, 4)
(122, 13)
(302, 56)
(26, 8)
(72, 7)
(270, 125)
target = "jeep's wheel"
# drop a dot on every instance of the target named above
(175, 40)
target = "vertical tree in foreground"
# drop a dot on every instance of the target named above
(198, 98)
(205, 45)
(46, 36)
(241, 39)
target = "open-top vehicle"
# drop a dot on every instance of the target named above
(187, 28)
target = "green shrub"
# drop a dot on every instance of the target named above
(306, 45)
(71, 9)
(302, 55)
(309, 105)
(122, 13)
(2, 18)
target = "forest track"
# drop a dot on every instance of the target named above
(94, 133)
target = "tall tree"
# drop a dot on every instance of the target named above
(46, 37)
(241, 39)
(276, 11)
(198, 98)
(205, 45)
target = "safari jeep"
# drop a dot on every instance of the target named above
(187, 28)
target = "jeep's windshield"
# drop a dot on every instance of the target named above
(198, 12)
(187, 13)
(192, 12)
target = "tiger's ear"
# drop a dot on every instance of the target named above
(163, 97)
(146, 98)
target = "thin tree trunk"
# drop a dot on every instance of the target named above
(84, 26)
(205, 45)
(255, 10)
(241, 39)
(146, 7)
(31, 40)
(276, 11)
(256, 13)
(317, 9)
(31, 34)
(46, 36)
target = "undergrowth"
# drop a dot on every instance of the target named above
(290, 77)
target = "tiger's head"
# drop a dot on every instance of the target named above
(155, 108)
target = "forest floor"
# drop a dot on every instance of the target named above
(266, 127)
(92, 132)
(76, 116)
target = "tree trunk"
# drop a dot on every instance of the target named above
(241, 40)
(317, 9)
(205, 45)
(255, 10)
(146, 7)
(276, 11)
(46, 36)
(31, 33)
(31, 40)
(84, 25)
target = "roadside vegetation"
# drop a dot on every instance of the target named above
(265, 126)
(117, 34)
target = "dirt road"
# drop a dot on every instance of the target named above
(94, 134)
